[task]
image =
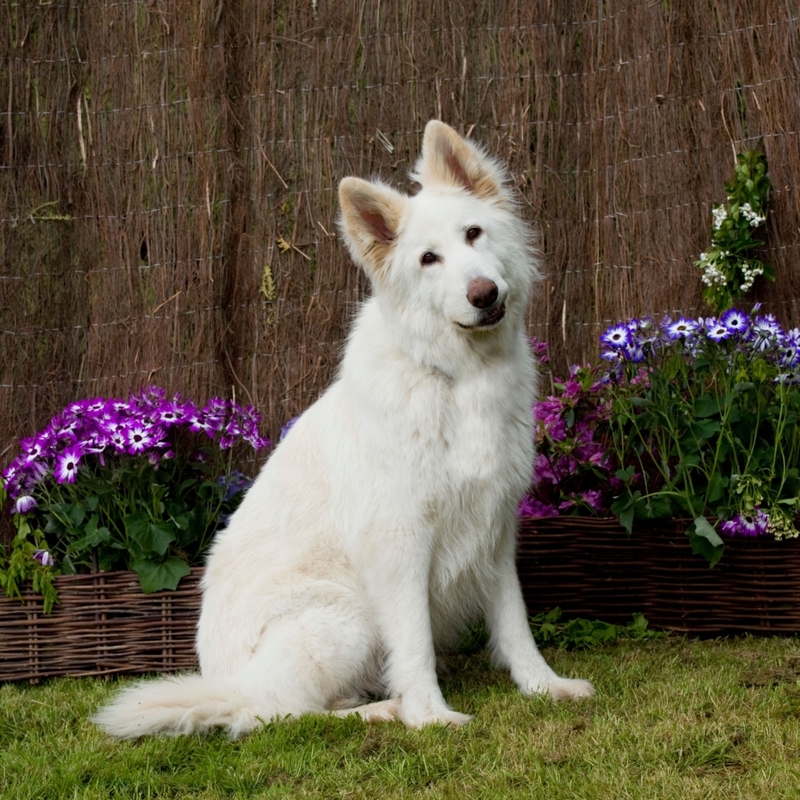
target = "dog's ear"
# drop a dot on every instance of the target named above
(449, 160)
(371, 214)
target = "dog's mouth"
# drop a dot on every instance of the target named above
(491, 317)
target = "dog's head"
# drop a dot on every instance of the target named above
(455, 259)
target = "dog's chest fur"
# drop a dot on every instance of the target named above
(449, 456)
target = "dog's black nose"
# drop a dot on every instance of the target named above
(482, 292)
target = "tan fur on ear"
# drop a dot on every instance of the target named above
(371, 214)
(452, 161)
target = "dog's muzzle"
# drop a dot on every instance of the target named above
(491, 316)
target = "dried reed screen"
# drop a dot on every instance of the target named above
(168, 172)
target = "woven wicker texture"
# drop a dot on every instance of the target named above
(104, 624)
(588, 567)
(591, 568)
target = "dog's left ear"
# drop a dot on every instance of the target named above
(371, 214)
(452, 161)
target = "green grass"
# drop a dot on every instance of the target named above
(673, 718)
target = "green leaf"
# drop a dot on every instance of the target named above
(64, 517)
(154, 576)
(716, 487)
(93, 538)
(705, 541)
(706, 406)
(705, 429)
(151, 537)
(625, 475)
(626, 518)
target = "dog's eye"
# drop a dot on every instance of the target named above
(429, 258)
(473, 233)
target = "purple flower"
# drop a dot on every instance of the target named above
(234, 483)
(633, 352)
(593, 499)
(118, 440)
(67, 464)
(735, 321)
(139, 438)
(93, 407)
(764, 333)
(790, 351)
(617, 336)
(753, 524)
(65, 427)
(77, 409)
(540, 350)
(681, 329)
(531, 507)
(543, 470)
(615, 356)
(24, 504)
(32, 449)
(171, 413)
(716, 331)
(204, 421)
(44, 558)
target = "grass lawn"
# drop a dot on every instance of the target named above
(673, 718)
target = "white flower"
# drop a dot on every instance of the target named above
(720, 214)
(751, 216)
(713, 277)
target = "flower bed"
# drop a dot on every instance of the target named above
(110, 484)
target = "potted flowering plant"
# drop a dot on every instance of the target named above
(705, 421)
(138, 484)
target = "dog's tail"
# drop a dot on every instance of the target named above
(181, 704)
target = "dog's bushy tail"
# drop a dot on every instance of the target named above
(179, 705)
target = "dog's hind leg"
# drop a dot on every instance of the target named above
(308, 661)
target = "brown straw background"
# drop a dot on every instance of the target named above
(168, 173)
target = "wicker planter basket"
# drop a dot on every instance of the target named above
(591, 568)
(755, 588)
(588, 567)
(104, 624)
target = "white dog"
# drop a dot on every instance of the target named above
(386, 520)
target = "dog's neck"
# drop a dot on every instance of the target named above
(468, 353)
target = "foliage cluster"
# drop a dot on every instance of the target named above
(137, 484)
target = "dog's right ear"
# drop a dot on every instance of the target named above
(371, 214)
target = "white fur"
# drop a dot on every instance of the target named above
(385, 521)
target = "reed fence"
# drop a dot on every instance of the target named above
(168, 172)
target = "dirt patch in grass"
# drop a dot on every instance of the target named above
(788, 671)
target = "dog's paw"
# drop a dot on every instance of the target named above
(445, 717)
(380, 711)
(569, 689)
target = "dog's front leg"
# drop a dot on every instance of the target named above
(511, 639)
(396, 579)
